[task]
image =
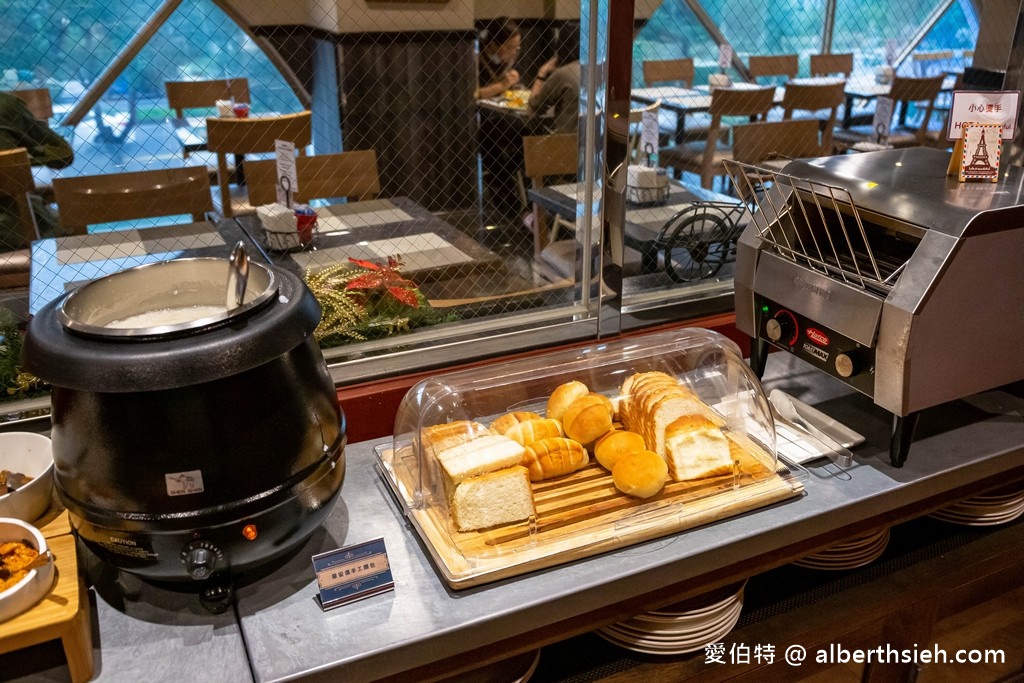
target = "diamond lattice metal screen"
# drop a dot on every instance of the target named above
(436, 142)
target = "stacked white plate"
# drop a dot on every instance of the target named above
(995, 507)
(850, 553)
(518, 669)
(687, 626)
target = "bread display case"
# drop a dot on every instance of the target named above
(550, 458)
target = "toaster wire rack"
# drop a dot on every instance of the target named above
(816, 225)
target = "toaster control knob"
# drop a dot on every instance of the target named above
(846, 364)
(200, 559)
(781, 328)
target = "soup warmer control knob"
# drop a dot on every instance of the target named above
(201, 558)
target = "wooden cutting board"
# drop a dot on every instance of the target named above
(583, 514)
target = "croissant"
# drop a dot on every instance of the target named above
(553, 457)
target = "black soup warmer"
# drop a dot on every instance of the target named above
(188, 449)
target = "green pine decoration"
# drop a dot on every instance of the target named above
(368, 301)
(16, 383)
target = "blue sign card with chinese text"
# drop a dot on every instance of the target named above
(352, 573)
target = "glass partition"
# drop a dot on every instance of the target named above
(453, 156)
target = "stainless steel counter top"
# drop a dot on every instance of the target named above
(282, 634)
(422, 621)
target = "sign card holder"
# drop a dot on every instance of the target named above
(352, 573)
(724, 56)
(881, 122)
(980, 151)
(970, 108)
(287, 175)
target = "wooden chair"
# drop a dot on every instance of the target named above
(830, 64)
(825, 97)
(706, 159)
(905, 90)
(37, 100)
(936, 136)
(772, 65)
(328, 176)
(88, 200)
(545, 156)
(931, 63)
(252, 136)
(15, 184)
(183, 96)
(767, 141)
(673, 71)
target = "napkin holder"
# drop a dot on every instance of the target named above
(646, 186)
(280, 232)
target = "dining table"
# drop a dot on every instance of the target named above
(428, 247)
(644, 223)
(686, 101)
(865, 87)
(61, 264)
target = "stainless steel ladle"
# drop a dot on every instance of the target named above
(238, 276)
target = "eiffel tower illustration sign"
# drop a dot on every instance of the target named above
(982, 144)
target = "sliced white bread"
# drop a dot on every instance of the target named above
(438, 438)
(696, 448)
(483, 454)
(492, 499)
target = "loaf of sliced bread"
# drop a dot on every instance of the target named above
(492, 499)
(651, 402)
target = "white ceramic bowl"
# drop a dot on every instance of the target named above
(30, 454)
(31, 589)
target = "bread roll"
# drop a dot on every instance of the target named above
(611, 447)
(492, 499)
(502, 424)
(696, 448)
(554, 457)
(535, 430)
(641, 474)
(587, 418)
(437, 438)
(562, 396)
(487, 453)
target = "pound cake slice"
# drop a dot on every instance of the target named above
(493, 499)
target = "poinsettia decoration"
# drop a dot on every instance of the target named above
(368, 300)
(384, 279)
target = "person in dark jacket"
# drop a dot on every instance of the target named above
(19, 128)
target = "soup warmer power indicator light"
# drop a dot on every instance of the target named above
(249, 532)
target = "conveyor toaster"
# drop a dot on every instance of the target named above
(882, 271)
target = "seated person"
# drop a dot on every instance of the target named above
(500, 42)
(557, 86)
(19, 128)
